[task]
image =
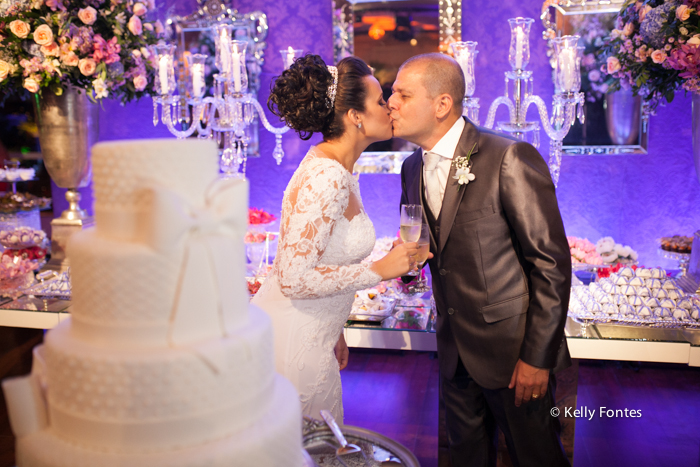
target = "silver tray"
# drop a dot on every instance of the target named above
(379, 450)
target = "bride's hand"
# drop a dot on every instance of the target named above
(342, 354)
(400, 260)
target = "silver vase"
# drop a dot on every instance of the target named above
(623, 114)
(68, 127)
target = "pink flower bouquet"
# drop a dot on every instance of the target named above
(655, 49)
(583, 251)
(100, 46)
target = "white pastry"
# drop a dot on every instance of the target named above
(668, 284)
(627, 272)
(659, 293)
(635, 300)
(644, 273)
(658, 273)
(621, 280)
(636, 281)
(675, 294)
(620, 299)
(681, 313)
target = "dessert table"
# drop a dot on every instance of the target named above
(593, 341)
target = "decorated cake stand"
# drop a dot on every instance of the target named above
(682, 258)
(380, 451)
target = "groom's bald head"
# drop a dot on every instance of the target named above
(440, 74)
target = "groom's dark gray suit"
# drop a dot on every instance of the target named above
(501, 267)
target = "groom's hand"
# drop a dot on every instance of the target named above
(528, 381)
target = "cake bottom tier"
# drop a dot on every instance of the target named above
(136, 400)
(274, 440)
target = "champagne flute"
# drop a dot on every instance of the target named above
(421, 285)
(411, 221)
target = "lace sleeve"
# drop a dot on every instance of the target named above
(315, 203)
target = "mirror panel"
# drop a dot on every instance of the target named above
(385, 34)
(615, 123)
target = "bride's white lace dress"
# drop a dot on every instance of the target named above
(310, 290)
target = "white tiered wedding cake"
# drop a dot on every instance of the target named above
(163, 362)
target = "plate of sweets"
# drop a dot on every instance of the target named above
(410, 319)
(371, 305)
(677, 244)
(22, 237)
(11, 203)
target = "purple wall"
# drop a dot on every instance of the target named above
(635, 199)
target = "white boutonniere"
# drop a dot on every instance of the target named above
(463, 165)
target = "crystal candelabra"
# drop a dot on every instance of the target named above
(226, 114)
(567, 78)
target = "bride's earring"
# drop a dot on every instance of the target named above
(359, 125)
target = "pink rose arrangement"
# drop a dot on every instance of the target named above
(100, 46)
(258, 216)
(654, 49)
(257, 220)
(583, 251)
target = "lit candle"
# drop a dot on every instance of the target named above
(289, 59)
(519, 40)
(163, 68)
(225, 52)
(198, 79)
(236, 57)
(566, 65)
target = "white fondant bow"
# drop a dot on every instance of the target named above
(211, 277)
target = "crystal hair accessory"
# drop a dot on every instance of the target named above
(333, 87)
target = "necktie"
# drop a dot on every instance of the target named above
(432, 184)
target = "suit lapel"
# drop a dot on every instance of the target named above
(453, 193)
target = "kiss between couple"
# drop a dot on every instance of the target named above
(499, 256)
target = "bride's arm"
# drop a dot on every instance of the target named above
(318, 201)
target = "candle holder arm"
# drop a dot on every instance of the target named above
(491, 117)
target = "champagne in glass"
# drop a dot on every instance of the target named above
(422, 255)
(410, 233)
(423, 245)
(411, 220)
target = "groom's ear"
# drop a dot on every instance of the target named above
(443, 106)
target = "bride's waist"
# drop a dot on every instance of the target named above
(271, 291)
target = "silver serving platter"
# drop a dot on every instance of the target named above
(380, 451)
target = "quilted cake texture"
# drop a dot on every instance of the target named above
(163, 361)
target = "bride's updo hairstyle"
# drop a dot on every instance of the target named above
(300, 95)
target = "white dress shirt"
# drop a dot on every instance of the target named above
(446, 148)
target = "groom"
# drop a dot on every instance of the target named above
(501, 270)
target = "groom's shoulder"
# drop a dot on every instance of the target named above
(496, 136)
(413, 159)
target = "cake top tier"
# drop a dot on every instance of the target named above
(124, 172)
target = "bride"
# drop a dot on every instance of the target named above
(324, 231)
